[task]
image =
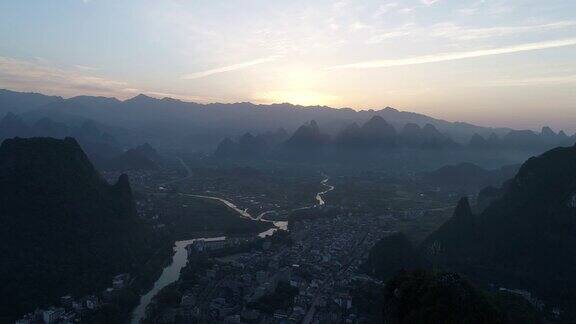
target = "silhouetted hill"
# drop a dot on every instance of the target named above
(520, 140)
(46, 127)
(377, 140)
(525, 238)
(446, 297)
(411, 135)
(274, 138)
(376, 133)
(93, 102)
(99, 145)
(307, 138)
(248, 146)
(143, 157)
(489, 194)
(175, 125)
(226, 148)
(63, 229)
(149, 152)
(392, 254)
(547, 133)
(455, 229)
(493, 141)
(479, 142)
(169, 118)
(468, 175)
(427, 137)
(379, 132)
(19, 102)
(12, 125)
(351, 138)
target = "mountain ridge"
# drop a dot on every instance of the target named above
(523, 238)
(63, 228)
(387, 112)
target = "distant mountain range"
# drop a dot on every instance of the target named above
(63, 229)
(108, 127)
(377, 136)
(179, 125)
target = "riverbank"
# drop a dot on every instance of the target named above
(171, 273)
(171, 299)
(320, 195)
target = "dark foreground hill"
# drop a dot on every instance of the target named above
(63, 229)
(94, 139)
(444, 297)
(524, 239)
(391, 255)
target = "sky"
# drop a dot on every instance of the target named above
(488, 62)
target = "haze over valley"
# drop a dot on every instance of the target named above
(195, 162)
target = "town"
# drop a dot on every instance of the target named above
(306, 276)
(76, 310)
(304, 267)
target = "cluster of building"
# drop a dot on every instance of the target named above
(141, 179)
(73, 310)
(310, 280)
(333, 249)
(219, 243)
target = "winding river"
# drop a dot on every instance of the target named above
(320, 195)
(169, 275)
(172, 272)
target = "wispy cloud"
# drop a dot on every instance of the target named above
(455, 32)
(379, 38)
(86, 67)
(541, 81)
(429, 2)
(443, 57)
(385, 8)
(229, 68)
(41, 75)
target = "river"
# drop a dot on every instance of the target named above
(169, 275)
(172, 272)
(320, 195)
(283, 225)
